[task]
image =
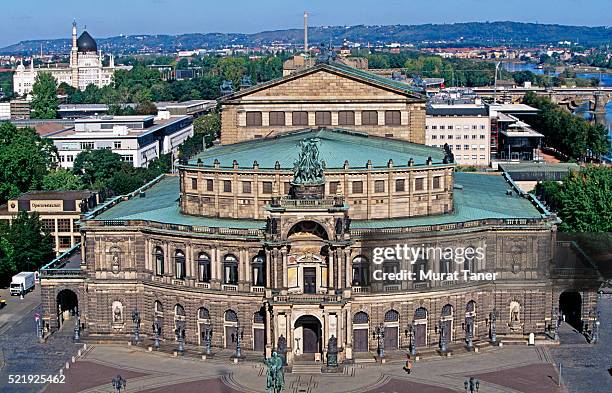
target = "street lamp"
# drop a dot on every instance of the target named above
(157, 329)
(379, 335)
(409, 332)
(238, 338)
(119, 383)
(180, 335)
(208, 331)
(136, 320)
(440, 328)
(77, 327)
(472, 384)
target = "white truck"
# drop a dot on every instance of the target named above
(22, 282)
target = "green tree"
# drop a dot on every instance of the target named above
(583, 200)
(146, 107)
(97, 167)
(23, 245)
(44, 97)
(25, 158)
(61, 180)
(208, 127)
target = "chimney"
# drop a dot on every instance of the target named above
(305, 32)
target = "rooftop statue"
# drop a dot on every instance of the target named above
(308, 169)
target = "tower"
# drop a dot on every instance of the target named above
(305, 32)
(74, 58)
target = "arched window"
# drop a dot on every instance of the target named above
(447, 311)
(203, 313)
(420, 313)
(446, 265)
(390, 266)
(391, 316)
(179, 264)
(361, 318)
(361, 271)
(231, 316)
(230, 270)
(259, 317)
(158, 255)
(470, 308)
(203, 267)
(179, 312)
(258, 268)
(468, 262)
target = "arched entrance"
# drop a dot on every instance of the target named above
(570, 306)
(308, 335)
(67, 305)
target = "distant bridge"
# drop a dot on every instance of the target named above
(569, 97)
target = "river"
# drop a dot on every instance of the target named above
(605, 80)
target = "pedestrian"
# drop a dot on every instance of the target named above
(408, 366)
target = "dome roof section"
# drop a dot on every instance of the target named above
(86, 44)
(335, 146)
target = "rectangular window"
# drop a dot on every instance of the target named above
(418, 184)
(194, 183)
(442, 127)
(436, 182)
(346, 118)
(286, 187)
(63, 225)
(75, 225)
(322, 118)
(466, 147)
(450, 127)
(87, 145)
(393, 118)
(450, 137)
(369, 118)
(299, 118)
(227, 186)
(277, 118)
(246, 187)
(400, 185)
(434, 137)
(253, 119)
(458, 147)
(474, 127)
(129, 158)
(482, 136)
(357, 187)
(267, 187)
(48, 225)
(209, 185)
(482, 127)
(64, 241)
(379, 186)
(333, 187)
(117, 144)
(434, 127)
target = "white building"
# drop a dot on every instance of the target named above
(138, 139)
(5, 110)
(466, 128)
(85, 68)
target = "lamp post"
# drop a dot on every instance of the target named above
(238, 338)
(472, 384)
(180, 335)
(119, 383)
(440, 329)
(208, 331)
(379, 335)
(410, 331)
(136, 320)
(77, 327)
(493, 318)
(157, 329)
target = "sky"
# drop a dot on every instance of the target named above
(44, 19)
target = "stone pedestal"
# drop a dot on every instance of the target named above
(307, 191)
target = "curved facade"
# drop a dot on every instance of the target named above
(230, 243)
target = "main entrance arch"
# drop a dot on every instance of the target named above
(308, 335)
(570, 306)
(67, 305)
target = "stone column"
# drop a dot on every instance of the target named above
(284, 256)
(348, 351)
(330, 271)
(268, 269)
(269, 343)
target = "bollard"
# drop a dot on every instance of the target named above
(79, 352)
(84, 347)
(129, 343)
(67, 365)
(150, 349)
(61, 371)
(175, 354)
(73, 359)
(203, 357)
(235, 360)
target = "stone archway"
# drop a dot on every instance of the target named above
(570, 306)
(307, 333)
(67, 305)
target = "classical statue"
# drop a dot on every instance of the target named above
(282, 348)
(275, 376)
(449, 157)
(332, 352)
(308, 169)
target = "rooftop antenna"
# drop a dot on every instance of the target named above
(305, 31)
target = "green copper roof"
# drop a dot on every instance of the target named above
(335, 146)
(481, 197)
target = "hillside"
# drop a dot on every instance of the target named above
(460, 34)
